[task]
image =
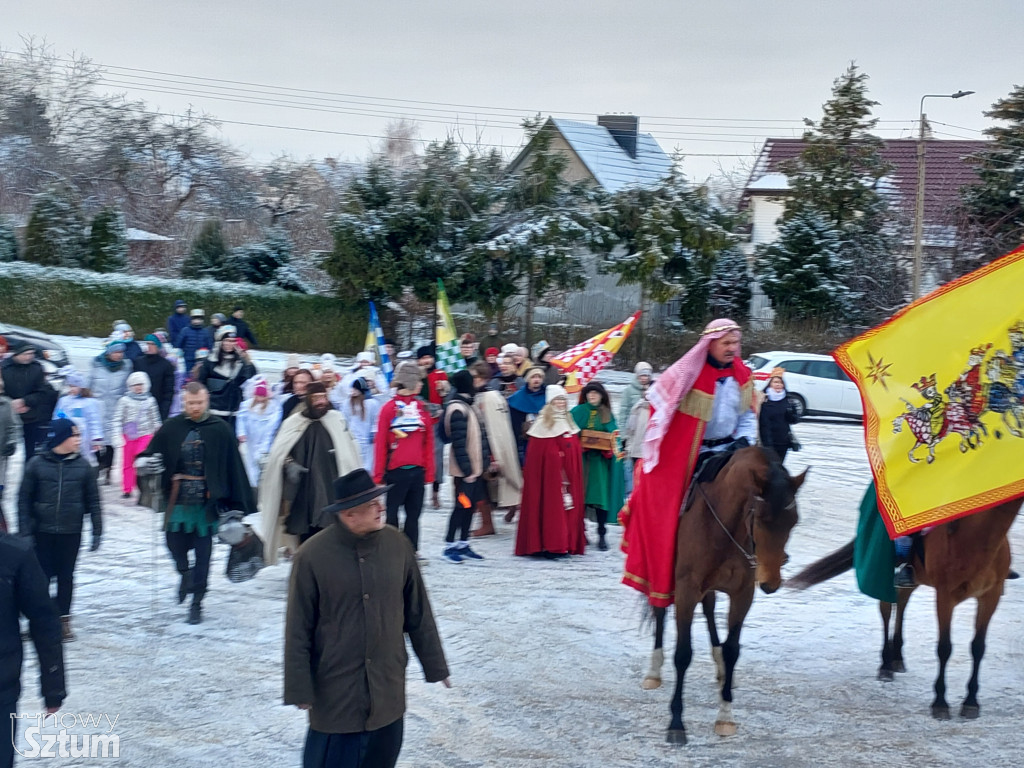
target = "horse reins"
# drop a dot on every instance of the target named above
(751, 556)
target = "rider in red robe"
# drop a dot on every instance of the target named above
(551, 511)
(704, 402)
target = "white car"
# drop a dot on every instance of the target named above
(817, 386)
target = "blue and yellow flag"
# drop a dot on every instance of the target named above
(942, 383)
(375, 344)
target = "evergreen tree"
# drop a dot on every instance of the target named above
(266, 263)
(729, 287)
(107, 246)
(803, 270)
(55, 235)
(834, 185)
(8, 243)
(993, 222)
(209, 255)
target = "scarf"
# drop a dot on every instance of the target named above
(774, 396)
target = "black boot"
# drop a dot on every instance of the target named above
(185, 586)
(905, 577)
(601, 543)
(195, 611)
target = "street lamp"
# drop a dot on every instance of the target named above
(919, 217)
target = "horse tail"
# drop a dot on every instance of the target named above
(827, 568)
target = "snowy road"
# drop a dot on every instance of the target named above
(546, 659)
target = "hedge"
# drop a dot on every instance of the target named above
(77, 302)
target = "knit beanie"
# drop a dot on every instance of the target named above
(75, 379)
(138, 377)
(261, 390)
(115, 346)
(424, 351)
(407, 376)
(643, 369)
(60, 430)
(462, 381)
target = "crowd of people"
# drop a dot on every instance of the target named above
(210, 438)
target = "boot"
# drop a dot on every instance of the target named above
(601, 543)
(435, 499)
(195, 611)
(511, 514)
(185, 586)
(486, 523)
(905, 577)
(66, 635)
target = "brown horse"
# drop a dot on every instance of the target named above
(731, 537)
(965, 558)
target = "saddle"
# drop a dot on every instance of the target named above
(709, 466)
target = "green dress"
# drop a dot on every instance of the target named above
(874, 557)
(602, 477)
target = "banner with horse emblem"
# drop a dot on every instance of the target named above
(942, 383)
(582, 363)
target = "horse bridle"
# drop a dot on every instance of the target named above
(751, 556)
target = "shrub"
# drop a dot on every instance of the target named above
(78, 302)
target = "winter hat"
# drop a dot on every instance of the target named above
(316, 387)
(261, 390)
(407, 376)
(359, 384)
(220, 317)
(467, 338)
(197, 313)
(75, 379)
(227, 332)
(539, 348)
(60, 430)
(425, 350)
(138, 377)
(463, 382)
(328, 360)
(20, 345)
(535, 370)
(202, 353)
(123, 327)
(292, 361)
(180, 303)
(238, 308)
(115, 346)
(366, 357)
(491, 351)
(643, 369)
(405, 354)
(510, 349)
(554, 391)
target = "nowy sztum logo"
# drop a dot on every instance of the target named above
(65, 734)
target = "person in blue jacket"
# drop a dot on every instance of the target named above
(179, 320)
(193, 337)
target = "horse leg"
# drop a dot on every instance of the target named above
(684, 654)
(885, 672)
(652, 679)
(739, 605)
(986, 607)
(944, 611)
(708, 605)
(897, 636)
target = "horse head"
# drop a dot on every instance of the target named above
(774, 517)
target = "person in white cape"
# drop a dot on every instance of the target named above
(505, 488)
(283, 474)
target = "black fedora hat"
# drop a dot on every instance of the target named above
(353, 489)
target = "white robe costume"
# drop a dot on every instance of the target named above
(258, 427)
(492, 408)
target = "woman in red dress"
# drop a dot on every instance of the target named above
(551, 514)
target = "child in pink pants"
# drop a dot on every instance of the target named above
(136, 420)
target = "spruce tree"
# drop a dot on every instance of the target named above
(8, 243)
(55, 236)
(729, 287)
(107, 247)
(834, 185)
(993, 222)
(208, 256)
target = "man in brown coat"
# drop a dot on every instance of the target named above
(355, 593)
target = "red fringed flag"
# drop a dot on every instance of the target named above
(581, 363)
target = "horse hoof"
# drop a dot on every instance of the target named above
(675, 736)
(940, 712)
(885, 675)
(723, 728)
(970, 711)
(650, 683)
(898, 666)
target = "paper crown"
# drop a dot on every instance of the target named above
(778, 370)
(981, 350)
(1018, 327)
(925, 383)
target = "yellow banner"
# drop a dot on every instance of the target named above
(943, 389)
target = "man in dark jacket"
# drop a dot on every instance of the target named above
(193, 337)
(241, 327)
(355, 592)
(23, 592)
(202, 474)
(468, 460)
(224, 372)
(178, 321)
(161, 374)
(58, 490)
(31, 395)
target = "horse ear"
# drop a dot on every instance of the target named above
(797, 481)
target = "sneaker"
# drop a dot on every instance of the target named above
(468, 554)
(451, 555)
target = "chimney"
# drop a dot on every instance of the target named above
(624, 129)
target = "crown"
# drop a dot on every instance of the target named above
(778, 370)
(924, 383)
(1018, 328)
(981, 350)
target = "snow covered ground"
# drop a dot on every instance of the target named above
(546, 658)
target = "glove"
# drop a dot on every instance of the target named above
(9, 450)
(293, 472)
(95, 544)
(150, 465)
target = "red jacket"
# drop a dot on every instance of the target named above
(406, 414)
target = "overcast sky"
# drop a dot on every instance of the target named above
(705, 78)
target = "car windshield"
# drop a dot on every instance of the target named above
(756, 362)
